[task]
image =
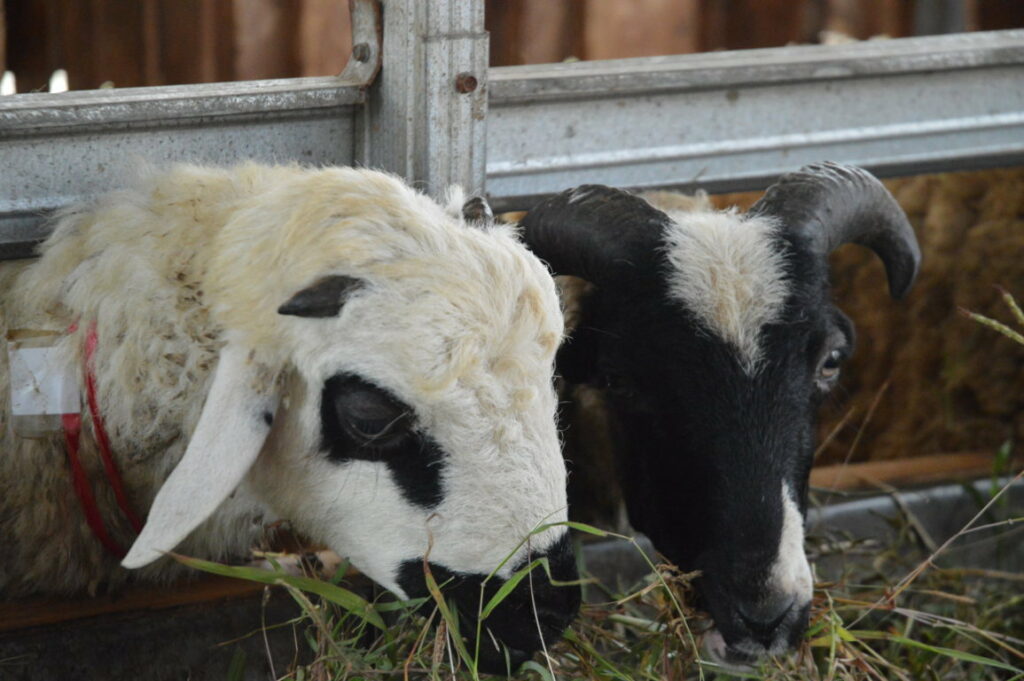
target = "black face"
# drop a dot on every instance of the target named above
(360, 421)
(704, 447)
(707, 448)
(532, 616)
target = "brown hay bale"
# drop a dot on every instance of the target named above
(953, 384)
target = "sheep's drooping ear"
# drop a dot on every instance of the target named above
(323, 298)
(228, 438)
(477, 211)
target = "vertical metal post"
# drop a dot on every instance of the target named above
(426, 114)
(937, 17)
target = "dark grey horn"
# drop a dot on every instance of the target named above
(829, 204)
(597, 233)
(476, 210)
(323, 298)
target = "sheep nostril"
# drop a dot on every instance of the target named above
(764, 617)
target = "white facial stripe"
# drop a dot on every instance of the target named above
(727, 271)
(791, 573)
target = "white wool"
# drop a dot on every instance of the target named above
(790, 572)
(460, 323)
(728, 272)
(454, 199)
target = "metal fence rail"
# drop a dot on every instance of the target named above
(722, 121)
(734, 120)
(56, 149)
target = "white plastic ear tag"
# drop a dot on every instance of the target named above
(44, 384)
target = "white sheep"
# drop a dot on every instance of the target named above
(325, 346)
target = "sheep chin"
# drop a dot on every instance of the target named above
(738, 659)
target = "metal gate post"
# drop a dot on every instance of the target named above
(426, 115)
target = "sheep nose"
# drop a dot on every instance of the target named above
(763, 617)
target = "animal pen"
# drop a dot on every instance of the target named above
(419, 98)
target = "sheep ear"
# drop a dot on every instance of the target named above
(229, 436)
(323, 298)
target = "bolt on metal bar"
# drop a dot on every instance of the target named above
(426, 115)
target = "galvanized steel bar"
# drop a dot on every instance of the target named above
(736, 120)
(427, 110)
(723, 121)
(56, 149)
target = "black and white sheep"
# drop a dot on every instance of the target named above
(713, 339)
(325, 346)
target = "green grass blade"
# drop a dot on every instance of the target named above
(538, 669)
(452, 620)
(236, 671)
(939, 650)
(507, 587)
(351, 602)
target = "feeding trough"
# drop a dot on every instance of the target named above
(923, 518)
(235, 625)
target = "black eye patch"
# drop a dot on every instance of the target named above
(361, 422)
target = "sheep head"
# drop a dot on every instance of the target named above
(714, 339)
(385, 384)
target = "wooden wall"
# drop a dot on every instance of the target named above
(160, 42)
(538, 31)
(3, 39)
(163, 42)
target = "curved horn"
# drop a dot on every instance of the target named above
(829, 204)
(594, 232)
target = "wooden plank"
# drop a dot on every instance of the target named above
(151, 67)
(748, 24)
(502, 19)
(72, 34)
(219, 21)
(3, 40)
(26, 613)
(30, 47)
(863, 19)
(993, 15)
(265, 39)
(553, 32)
(919, 470)
(117, 26)
(324, 38)
(32, 612)
(533, 31)
(180, 57)
(642, 28)
(194, 41)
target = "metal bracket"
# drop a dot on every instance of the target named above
(425, 119)
(56, 149)
(364, 62)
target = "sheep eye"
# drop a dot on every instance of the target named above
(372, 419)
(615, 383)
(829, 369)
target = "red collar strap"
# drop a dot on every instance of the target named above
(72, 431)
